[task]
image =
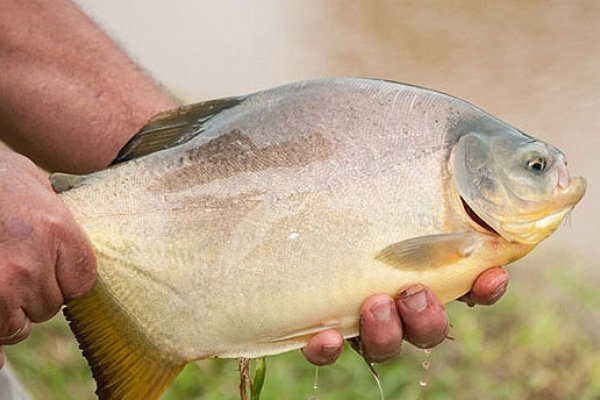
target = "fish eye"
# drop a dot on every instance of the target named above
(537, 164)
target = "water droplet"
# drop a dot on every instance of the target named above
(426, 364)
(375, 376)
(294, 235)
(314, 395)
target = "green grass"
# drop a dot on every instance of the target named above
(519, 349)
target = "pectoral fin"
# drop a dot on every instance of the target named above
(428, 252)
(62, 182)
(124, 366)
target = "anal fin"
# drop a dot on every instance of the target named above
(304, 333)
(124, 366)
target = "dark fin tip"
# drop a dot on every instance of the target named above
(172, 128)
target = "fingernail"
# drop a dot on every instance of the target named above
(415, 298)
(496, 294)
(14, 334)
(330, 349)
(382, 310)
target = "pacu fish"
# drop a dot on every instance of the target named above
(241, 227)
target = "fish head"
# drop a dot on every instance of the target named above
(513, 185)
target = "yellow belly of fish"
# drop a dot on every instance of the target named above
(246, 313)
(154, 320)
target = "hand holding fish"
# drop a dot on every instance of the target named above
(262, 221)
(263, 238)
(415, 314)
(45, 258)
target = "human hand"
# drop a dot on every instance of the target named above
(45, 257)
(415, 315)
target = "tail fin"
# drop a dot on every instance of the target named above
(124, 365)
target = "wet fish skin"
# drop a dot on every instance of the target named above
(280, 215)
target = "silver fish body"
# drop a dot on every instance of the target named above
(268, 225)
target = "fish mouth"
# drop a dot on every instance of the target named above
(534, 226)
(476, 219)
(535, 231)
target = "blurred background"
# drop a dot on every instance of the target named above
(533, 64)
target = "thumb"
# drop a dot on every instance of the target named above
(75, 263)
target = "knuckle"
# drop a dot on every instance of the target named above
(53, 216)
(86, 263)
(82, 278)
(16, 273)
(45, 308)
(53, 223)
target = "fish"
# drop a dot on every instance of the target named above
(243, 226)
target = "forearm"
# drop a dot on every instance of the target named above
(69, 98)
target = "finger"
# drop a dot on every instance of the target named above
(15, 327)
(380, 329)
(1, 358)
(324, 348)
(488, 288)
(76, 264)
(44, 301)
(424, 319)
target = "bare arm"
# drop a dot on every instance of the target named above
(69, 98)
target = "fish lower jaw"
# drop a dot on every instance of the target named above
(533, 232)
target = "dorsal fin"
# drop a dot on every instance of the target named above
(173, 127)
